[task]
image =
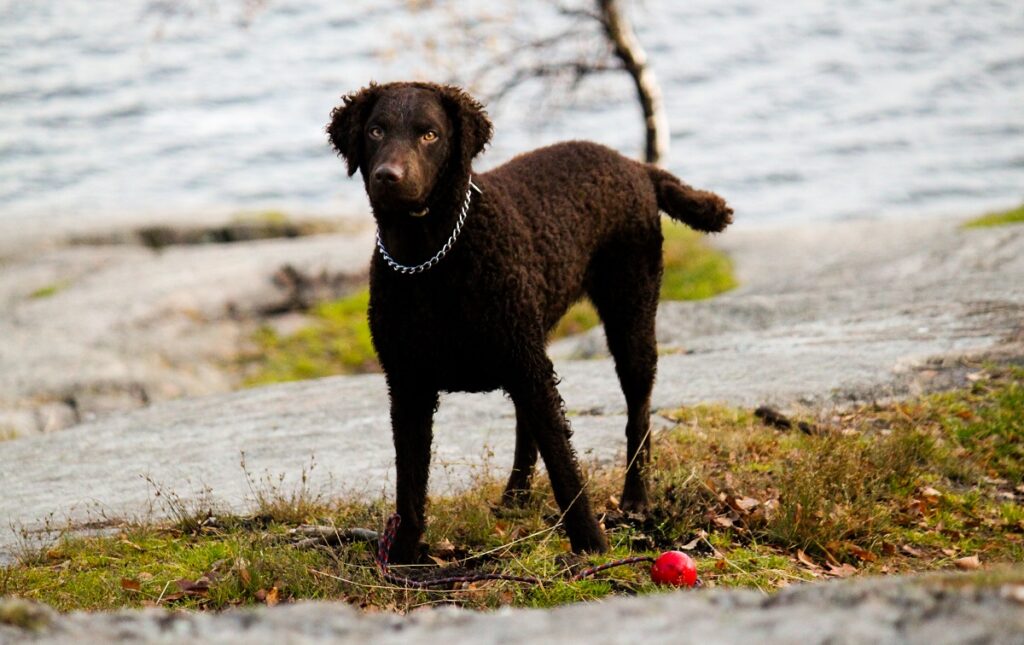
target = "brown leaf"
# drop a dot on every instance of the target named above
(691, 545)
(969, 563)
(842, 571)
(199, 586)
(273, 597)
(445, 549)
(746, 504)
(888, 549)
(930, 493)
(127, 542)
(243, 573)
(806, 561)
(911, 551)
(131, 585)
(862, 554)
(612, 503)
(260, 595)
(171, 597)
(438, 561)
(723, 521)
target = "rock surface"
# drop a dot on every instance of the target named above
(828, 314)
(931, 611)
(92, 329)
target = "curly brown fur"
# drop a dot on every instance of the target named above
(551, 226)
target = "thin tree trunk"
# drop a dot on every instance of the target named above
(633, 57)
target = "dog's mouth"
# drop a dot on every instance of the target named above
(395, 201)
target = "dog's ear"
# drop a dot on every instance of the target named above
(348, 120)
(468, 115)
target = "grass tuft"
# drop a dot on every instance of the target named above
(997, 218)
(48, 291)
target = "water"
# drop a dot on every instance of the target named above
(799, 109)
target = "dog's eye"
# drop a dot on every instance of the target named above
(429, 135)
(376, 132)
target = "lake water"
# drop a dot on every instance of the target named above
(792, 110)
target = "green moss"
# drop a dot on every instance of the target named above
(48, 290)
(270, 217)
(336, 342)
(693, 269)
(998, 218)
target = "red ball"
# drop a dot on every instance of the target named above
(674, 568)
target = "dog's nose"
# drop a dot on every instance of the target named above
(387, 174)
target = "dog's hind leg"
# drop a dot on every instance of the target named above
(517, 490)
(412, 413)
(624, 287)
(535, 395)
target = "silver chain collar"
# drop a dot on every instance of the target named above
(420, 268)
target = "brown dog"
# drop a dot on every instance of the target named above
(473, 271)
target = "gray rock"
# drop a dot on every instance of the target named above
(107, 328)
(931, 610)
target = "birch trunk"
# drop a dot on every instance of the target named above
(634, 59)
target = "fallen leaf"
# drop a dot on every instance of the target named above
(888, 549)
(199, 586)
(723, 521)
(862, 554)
(612, 504)
(692, 544)
(445, 549)
(130, 585)
(930, 493)
(969, 563)
(806, 561)
(243, 573)
(127, 542)
(745, 504)
(273, 597)
(720, 565)
(145, 576)
(440, 562)
(842, 571)
(911, 551)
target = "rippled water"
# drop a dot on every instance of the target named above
(796, 109)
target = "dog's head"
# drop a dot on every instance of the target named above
(407, 138)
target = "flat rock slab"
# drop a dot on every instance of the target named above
(828, 314)
(930, 611)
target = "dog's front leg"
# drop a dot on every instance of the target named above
(412, 414)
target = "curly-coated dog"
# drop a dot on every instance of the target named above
(473, 271)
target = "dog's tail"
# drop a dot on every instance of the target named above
(698, 209)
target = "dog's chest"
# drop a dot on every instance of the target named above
(454, 333)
